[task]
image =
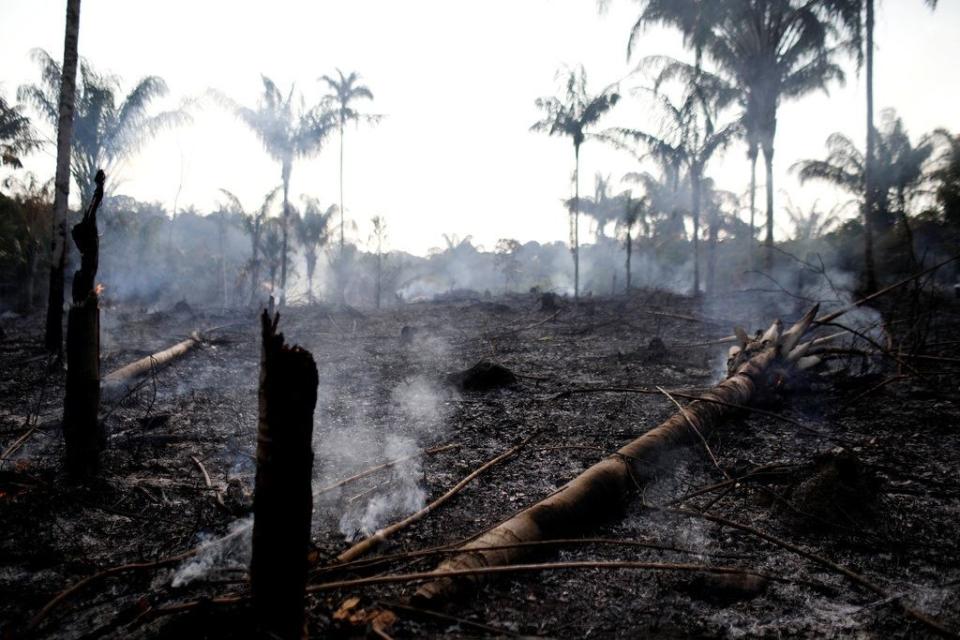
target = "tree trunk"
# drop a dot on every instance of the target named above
(714, 232)
(311, 269)
(695, 185)
(286, 224)
(379, 291)
(82, 432)
(255, 263)
(751, 248)
(576, 223)
(223, 261)
(869, 207)
(629, 253)
(150, 363)
(601, 491)
(907, 231)
(342, 129)
(768, 162)
(283, 498)
(53, 336)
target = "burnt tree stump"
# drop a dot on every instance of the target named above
(82, 432)
(283, 497)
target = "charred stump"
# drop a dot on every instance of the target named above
(82, 431)
(283, 498)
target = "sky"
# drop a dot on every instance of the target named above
(456, 82)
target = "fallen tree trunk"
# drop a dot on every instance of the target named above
(150, 363)
(83, 433)
(601, 491)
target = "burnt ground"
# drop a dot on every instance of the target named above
(894, 517)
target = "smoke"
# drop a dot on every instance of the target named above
(216, 553)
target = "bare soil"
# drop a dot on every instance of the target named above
(892, 514)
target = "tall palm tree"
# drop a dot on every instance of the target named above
(313, 232)
(772, 50)
(688, 139)
(288, 130)
(571, 115)
(53, 334)
(899, 170)
(17, 137)
(345, 90)
(869, 186)
(107, 130)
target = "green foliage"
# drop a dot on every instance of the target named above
(17, 137)
(107, 130)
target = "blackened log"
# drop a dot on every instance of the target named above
(82, 431)
(283, 498)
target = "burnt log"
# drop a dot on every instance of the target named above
(82, 432)
(283, 498)
(143, 366)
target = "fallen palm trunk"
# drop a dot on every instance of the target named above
(601, 490)
(150, 363)
(82, 431)
(283, 499)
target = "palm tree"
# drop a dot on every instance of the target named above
(899, 169)
(869, 186)
(16, 135)
(253, 225)
(273, 248)
(633, 211)
(344, 91)
(770, 50)
(571, 115)
(313, 232)
(379, 238)
(947, 179)
(602, 207)
(106, 132)
(288, 130)
(688, 140)
(53, 334)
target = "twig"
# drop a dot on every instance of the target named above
(370, 542)
(463, 622)
(546, 566)
(703, 440)
(385, 465)
(875, 387)
(453, 548)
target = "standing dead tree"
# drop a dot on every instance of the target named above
(601, 490)
(283, 499)
(82, 431)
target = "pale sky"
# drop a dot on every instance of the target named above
(457, 82)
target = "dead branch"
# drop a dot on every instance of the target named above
(545, 566)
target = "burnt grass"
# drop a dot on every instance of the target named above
(887, 505)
